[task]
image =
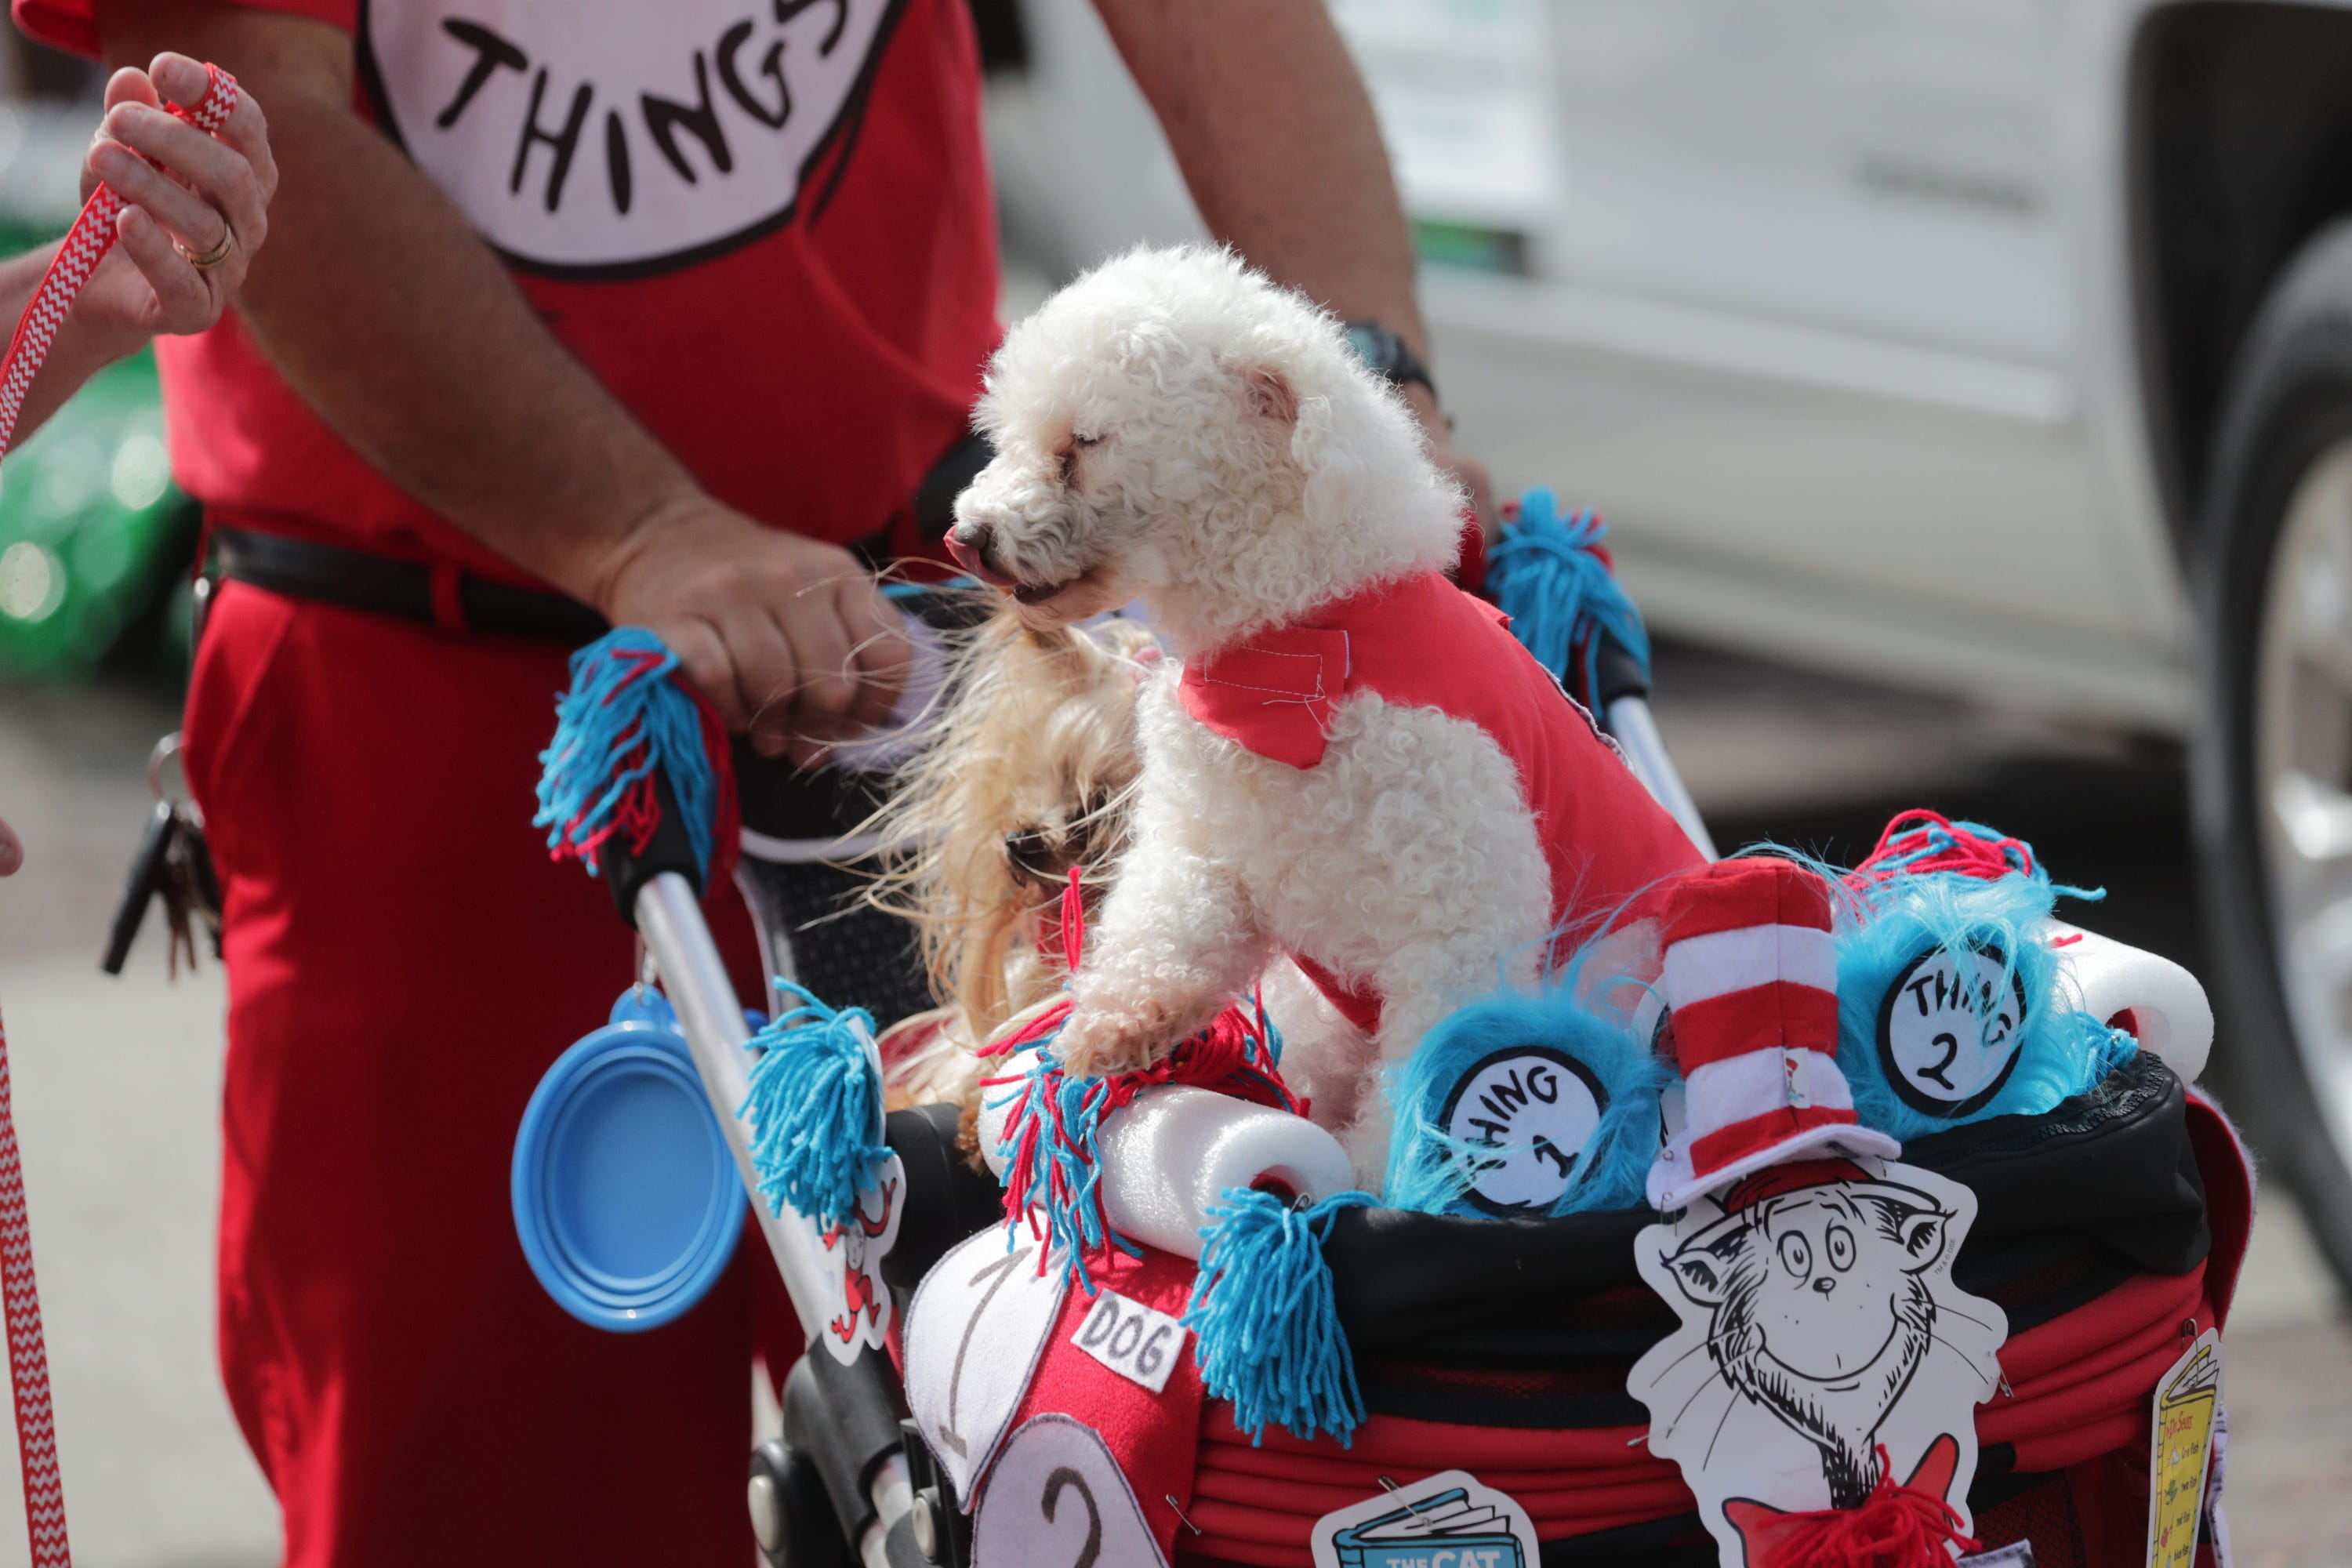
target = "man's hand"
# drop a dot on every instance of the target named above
(179, 184)
(789, 637)
(11, 852)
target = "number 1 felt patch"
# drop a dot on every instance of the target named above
(978, 1323)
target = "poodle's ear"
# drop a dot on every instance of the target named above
(1270, 394)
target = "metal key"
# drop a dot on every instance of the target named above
(191, 889)
(173, 864)
(150, 875)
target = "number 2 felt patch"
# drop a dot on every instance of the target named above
(1153, 1436)
(1058, 1499)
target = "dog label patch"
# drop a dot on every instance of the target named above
(861, 1302)
(1949, 1029)
(1521, 1118)
(1138, 1342)
(978, 1321)
(2181, 1447)
(1822, 1343)
(1057, 1496)
(1447, 1520)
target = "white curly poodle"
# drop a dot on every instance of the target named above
(1174, 427)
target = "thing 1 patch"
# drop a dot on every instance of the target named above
(1521, 1118)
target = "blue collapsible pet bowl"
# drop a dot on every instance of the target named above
(625, 1195)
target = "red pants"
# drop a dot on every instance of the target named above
(403, 963)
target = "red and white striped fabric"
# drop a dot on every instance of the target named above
(1750, 986)
(28, 1360)
(85, 246)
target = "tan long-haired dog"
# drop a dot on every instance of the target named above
(1029, 773)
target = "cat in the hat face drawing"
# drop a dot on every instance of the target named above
(1821, 1308)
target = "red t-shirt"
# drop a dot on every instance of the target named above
(772, 240)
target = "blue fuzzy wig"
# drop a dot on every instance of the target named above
(1896, 910)
(1886, 926)
(1430, 1170)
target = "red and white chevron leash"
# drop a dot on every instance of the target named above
(28, 1358)
(85, 246)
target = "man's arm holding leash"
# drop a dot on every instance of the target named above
(1270, 123)
(393, 321)
(146, 287)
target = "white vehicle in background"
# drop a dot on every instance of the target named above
(2003, 347)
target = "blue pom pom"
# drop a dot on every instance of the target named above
(815, 1109)
(1430, 1172)
(1546, 574)
(1266, 1330)
(624, 717)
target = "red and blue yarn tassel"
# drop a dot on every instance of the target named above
(815, 1109)
(1052, 1141)
(1265, 1325)
(629, 712)
(1553, 577)
(1921, 843)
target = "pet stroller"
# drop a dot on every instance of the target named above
(2108, 1229)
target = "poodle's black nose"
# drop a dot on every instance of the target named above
(970, 543)
(1825, 1283)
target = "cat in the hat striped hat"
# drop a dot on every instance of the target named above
(1750, 987)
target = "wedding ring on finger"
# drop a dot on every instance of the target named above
(216, 255)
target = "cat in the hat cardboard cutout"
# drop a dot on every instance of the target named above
(1825, 1360)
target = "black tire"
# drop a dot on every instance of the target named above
(2288, 407)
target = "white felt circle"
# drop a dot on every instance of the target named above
(1525, 1114)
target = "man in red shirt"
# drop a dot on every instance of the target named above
(657, 305)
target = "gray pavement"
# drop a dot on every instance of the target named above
(116, 1084)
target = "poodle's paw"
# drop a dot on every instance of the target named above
(1100, 1043)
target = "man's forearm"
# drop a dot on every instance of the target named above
(1270, 124)
(390, 317)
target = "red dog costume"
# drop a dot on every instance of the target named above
(1421, 642)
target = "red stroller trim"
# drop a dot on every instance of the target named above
(2080, 1383)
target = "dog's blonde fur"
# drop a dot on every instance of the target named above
(1176, 427)
(1028, 773)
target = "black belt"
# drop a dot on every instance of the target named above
(460, 601)
(437, 595)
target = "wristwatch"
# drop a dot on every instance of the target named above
(1384, 352)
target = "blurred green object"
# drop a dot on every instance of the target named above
(92, 528)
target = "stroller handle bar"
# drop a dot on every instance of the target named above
(670, 917)
(1636, 733)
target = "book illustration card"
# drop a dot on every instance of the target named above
(1445, 1520)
